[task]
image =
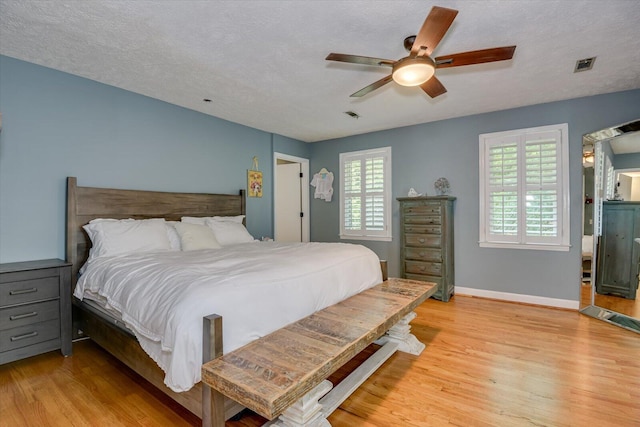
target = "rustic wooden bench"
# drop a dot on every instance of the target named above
(284, 373)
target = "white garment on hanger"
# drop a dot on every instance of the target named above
(324, 185)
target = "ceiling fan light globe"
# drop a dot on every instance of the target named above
(413, 71)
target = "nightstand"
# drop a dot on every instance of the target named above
(35, 308)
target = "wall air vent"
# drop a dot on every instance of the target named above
(352, 114)
(584, 64)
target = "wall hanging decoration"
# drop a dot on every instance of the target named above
(254, 180)
(323, 181)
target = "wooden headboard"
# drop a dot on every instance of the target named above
(87, 203)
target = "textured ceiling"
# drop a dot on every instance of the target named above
(262, 62)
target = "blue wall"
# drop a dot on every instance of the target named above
(57, 125)
(626, 161)
(449, 148)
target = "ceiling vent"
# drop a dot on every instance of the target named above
(352, 114)
(584, 64)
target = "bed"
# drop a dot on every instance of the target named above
(115, 333)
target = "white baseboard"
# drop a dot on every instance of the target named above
(527, 299)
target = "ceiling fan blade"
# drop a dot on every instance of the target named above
(356, 59)
(475, 57)
(433, 30)
(372, 87)
(433, 87)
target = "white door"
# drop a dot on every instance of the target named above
(288, 203)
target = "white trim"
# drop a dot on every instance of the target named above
(527, 299)
(304, 167)
(378, 238)
(536, 247)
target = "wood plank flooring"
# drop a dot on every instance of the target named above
(629, 307)
(487, 363)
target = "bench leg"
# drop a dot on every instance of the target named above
(306, 412)
(401, 334)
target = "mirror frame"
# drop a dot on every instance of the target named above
(591, 144)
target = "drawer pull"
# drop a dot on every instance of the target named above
(23, 291)
(423, 268)
(422, 254)
(421, 240)
(23, 316)
(23, 336)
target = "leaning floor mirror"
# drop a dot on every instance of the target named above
(611, 225)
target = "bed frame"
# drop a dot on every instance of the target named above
(87, 203)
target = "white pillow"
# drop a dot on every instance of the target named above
(194, 219)
(202, 219)
(196, 236)
(115, 237)
(237, 218)
(229, 232)
(174, 237)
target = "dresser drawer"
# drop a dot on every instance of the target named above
(422, 220)
(27, 314)
(423, 254)
(426, 268)
(29, 290)
(427, 209)
(24, 336)
(423, 240)
(422, 229)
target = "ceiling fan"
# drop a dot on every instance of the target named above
(418, 68)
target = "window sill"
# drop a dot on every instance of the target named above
(531, 246)
(378, 238)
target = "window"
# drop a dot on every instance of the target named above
(524, 189)
(365, 194)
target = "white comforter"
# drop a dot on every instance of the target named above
(256, 287)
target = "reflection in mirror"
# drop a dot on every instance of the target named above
(611, 225)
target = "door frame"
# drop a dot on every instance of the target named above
(304, 191)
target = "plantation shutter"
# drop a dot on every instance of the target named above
(365, 198)
(503, 191)
(374, 193)
(524, 188)
(542, 187)
(352, 194)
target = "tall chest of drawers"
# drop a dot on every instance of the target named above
(426, 251)
(35, 308)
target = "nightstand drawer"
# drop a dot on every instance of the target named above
(427, 268)
(423, 240)
(423, 254)
(24, 336)
(29, 290)
(28, 314)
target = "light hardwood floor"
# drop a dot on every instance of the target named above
(487, 363)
